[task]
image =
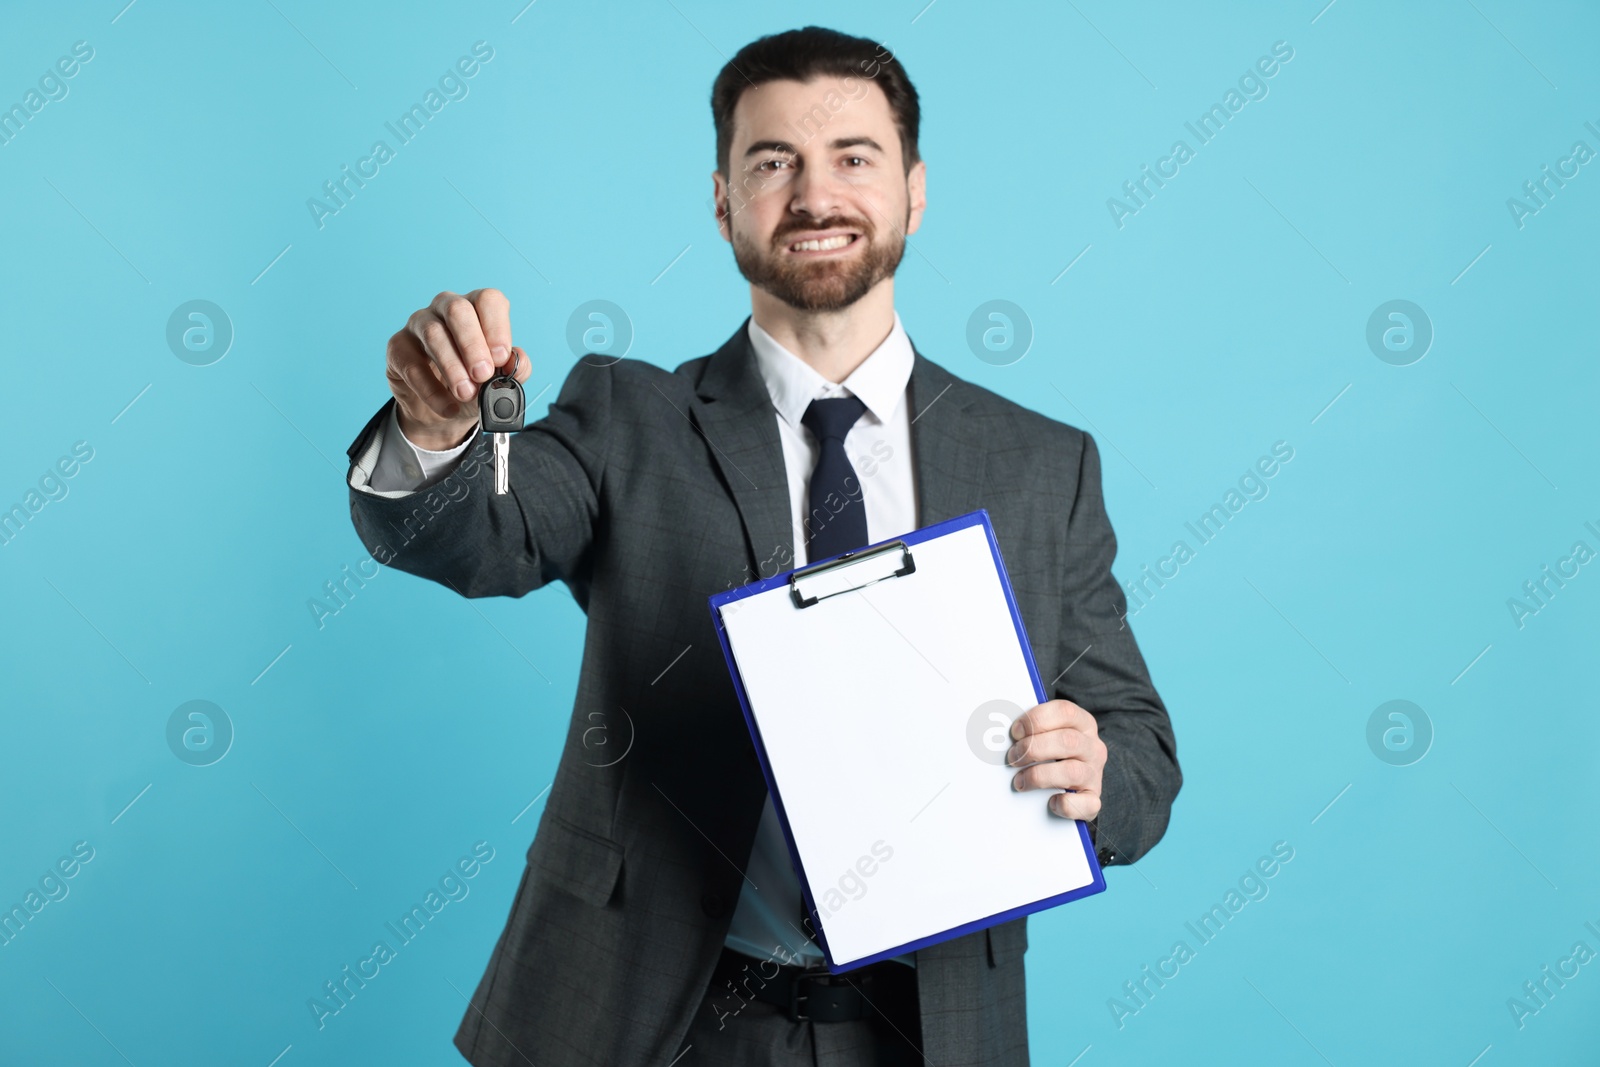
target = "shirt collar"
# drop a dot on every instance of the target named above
(880, 380)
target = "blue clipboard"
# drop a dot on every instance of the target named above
(886, 561)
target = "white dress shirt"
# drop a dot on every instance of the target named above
(879, 448)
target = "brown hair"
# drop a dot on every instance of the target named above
(804, 54)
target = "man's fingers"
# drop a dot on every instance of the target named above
(461, 316)
(439, 347)
(1062, 743)
(494, 319)
(1054, 744)
(1052, 715)
(1058, 774)
(1083, 806)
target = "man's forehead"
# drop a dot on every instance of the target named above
(777, 103)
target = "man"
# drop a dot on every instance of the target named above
(638, 933)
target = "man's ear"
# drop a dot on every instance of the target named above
(917, 195)
(719, 205)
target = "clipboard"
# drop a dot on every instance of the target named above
(879, 687)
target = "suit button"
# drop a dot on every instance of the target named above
(713, 905)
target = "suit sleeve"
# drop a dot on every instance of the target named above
(462, 534)
(1110, 681)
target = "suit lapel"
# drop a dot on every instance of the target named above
(733, 410)
(947, 452)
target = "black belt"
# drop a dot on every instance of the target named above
(809, 993)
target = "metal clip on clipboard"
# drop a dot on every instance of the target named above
(851, 571)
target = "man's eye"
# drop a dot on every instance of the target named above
(773, 162)
(856, 159)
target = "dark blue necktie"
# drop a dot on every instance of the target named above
(837, 519)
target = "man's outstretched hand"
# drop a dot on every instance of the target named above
(1058, 746)
(445, 352)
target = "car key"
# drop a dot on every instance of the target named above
(501, 407)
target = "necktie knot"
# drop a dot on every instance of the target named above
(832, 418)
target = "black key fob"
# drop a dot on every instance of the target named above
(501, 405)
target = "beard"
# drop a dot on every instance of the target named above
(823, 284)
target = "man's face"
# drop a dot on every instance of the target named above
(818, 203)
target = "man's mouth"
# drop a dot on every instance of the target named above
(823, 244)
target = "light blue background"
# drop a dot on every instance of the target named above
(1225, 316)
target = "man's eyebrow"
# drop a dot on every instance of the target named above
(837, 142)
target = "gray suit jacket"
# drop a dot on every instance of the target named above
(645, 491)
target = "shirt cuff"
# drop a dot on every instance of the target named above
(393, 466)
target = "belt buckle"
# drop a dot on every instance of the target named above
(797, 998)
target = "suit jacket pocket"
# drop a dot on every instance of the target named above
(575, 860)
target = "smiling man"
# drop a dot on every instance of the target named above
(658, 919)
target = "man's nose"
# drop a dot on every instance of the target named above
(815, 192)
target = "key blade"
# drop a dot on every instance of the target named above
(502, 463)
